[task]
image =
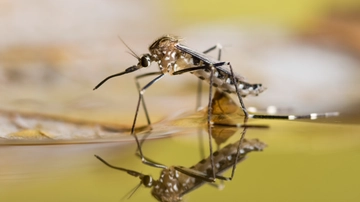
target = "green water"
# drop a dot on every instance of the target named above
(304, 161)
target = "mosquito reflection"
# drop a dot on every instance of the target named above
(176, 181)
(226, 119)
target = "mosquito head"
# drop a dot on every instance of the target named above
(144, 61)
(147, 180)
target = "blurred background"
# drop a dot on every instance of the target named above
(53, 53)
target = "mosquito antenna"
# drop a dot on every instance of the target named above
(131, 192)
(131, 51)
(134, 190)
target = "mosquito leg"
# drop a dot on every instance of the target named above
(138, 88)
(212, 68)
(143, 101)
(141, 93)
(238, 153)
(201, 145)
(146, 158)
(245, 118)
(131, 172)
(147, 134)
(209, 107)
(218, 186)
(154, 163)
(218, 46)
(190, 69)
(238, 93)
(196, 174)
(199, 88)
(311, 116)
(141, 142)
(209, 121)
(198, 96)
(200, 176)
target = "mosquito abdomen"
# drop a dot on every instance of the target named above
(224, 158)
(224, 82)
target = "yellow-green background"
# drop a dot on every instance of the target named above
(304, 161)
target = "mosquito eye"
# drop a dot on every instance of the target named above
(147, 181)
(145, 61)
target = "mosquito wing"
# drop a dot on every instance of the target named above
(196, 54)
(207, 59)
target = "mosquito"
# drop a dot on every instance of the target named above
(174, 58)
(176, 181)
